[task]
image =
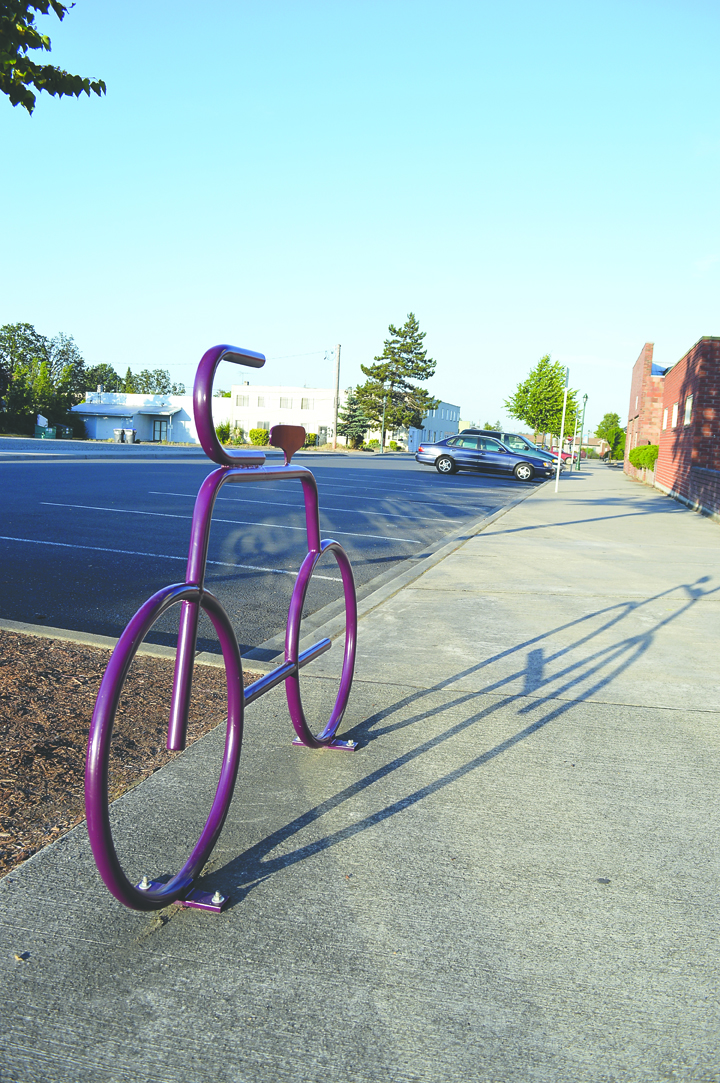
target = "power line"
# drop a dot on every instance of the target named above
(285, 356)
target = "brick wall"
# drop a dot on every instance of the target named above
(688, 465)
(646, 406)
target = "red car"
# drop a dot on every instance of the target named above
(565, 455)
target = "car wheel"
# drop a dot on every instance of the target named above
(445, 465)
(524, 472)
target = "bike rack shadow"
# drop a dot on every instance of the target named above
(600, 668)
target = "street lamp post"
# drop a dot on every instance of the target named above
(582, 429)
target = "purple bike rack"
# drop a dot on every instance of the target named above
(235, 468)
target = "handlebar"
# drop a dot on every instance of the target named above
(202, 404)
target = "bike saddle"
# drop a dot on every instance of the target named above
(289, 438)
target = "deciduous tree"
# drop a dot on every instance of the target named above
(19, 75)
(103, 376)
(538, 400)
(155, 382)
(609, 429)
(38, 374)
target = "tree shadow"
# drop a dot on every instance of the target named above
(552, 693)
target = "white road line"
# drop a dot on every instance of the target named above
(373, 489)
(380, 488)
(284, 504)
(160, 556)
(234, 522)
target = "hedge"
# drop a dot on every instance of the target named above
(644, 456)
(259, 437)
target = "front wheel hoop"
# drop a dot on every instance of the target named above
(292, 646)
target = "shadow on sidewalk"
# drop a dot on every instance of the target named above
(650, 505)
(574, 682)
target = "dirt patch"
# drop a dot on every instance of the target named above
(47, 695)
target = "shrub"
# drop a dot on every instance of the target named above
(223, 432)
(644, 456)
(259, 437)
(310, 439)
(373, 443)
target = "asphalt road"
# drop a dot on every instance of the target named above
(83, 543)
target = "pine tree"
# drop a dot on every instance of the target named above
(538, 400)
(352, 423)
(388, 393)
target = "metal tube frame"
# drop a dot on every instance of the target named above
(234, 468)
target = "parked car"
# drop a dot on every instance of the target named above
(474, 452)
(517, 443)
(566, 455)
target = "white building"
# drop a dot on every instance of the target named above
(257, 406)
(153, 417)
(260, 406)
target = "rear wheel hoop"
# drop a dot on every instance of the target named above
(96, 769)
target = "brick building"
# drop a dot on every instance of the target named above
(646, 402)
(688, 466)
(688, 433)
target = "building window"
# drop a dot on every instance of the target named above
(688, 410)
(673, 423)
(636, 398)
(665, 418)
(261, 400)
(160, 430)
(263, 425)
(242, 400)
(285, 404)
(306, 404)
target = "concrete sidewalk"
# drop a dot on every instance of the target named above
(515, 878)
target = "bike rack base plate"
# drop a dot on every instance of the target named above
(334, 746)
(198, 900)
(204, 900)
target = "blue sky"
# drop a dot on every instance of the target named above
(526, 177)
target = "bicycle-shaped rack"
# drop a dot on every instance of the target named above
(242, 466)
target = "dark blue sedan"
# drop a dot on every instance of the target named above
(482, 453)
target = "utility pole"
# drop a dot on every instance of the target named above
(562, 430)
(337, 392)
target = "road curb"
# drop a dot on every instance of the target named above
(89, 639)
(328, 622)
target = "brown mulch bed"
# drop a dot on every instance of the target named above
(47, 695)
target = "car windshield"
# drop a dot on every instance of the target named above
(517, 443)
